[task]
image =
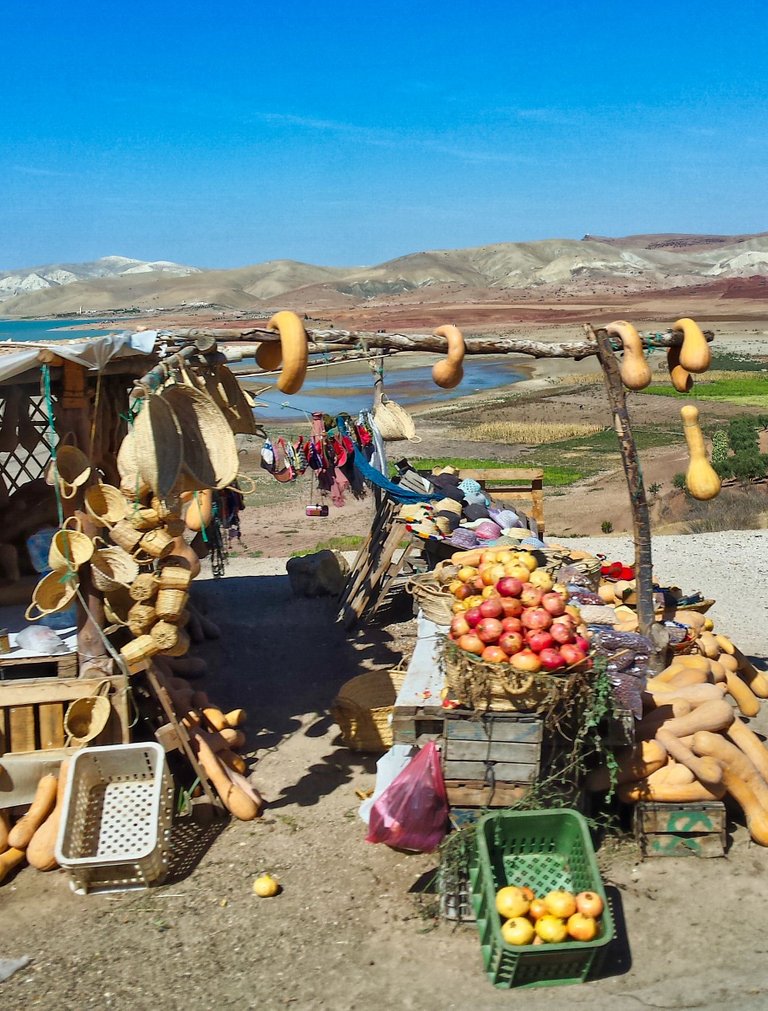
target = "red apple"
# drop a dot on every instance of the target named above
(513, 607)
(582, 643)
(477, 584)
(493, 654)
(536, 617)
(489, 630)
(459, 626)
(509, 586)
(512, 624)
(511, 642)
(539, 640)
(560, 632)
(531, 595)
(571, 653)
(491, 608)
(474, 616)
(463, 591)
(553, 603)
(472, 643)
(551, 659)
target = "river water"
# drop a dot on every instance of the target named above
(330, 390)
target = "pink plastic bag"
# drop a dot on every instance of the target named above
(412, 813)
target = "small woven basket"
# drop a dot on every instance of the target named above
(363, 707)
(112, 568)
(144, 587)
(394, 422)
(434, 598)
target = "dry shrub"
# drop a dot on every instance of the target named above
(530, 432)
(735, 508)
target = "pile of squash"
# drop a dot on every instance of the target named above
(693, 741)
(217, 738)
(33, 837)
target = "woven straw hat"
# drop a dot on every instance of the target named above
(209, 452)
(448, 505)
(158, 440)
(393, 422)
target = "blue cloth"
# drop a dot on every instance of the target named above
(381, 481)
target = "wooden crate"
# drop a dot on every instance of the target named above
(62, 665)
(679, 830)
(32, 712)
(500, 747)
(478, 794)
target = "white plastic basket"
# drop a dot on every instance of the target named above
(116, 822)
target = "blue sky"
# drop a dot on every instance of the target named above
(221, 134)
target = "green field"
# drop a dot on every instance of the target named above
(752, 389)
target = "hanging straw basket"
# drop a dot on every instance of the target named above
(144, 519)
(175, 577)
(105, 504)
(141, 618)
(498, 687)
(394, 422)
(70, 548)
(55, 592)
(144, 587)
(228, 395)
(433, 597)
(132, 484)
(117, 604)
(209, 453)
(363, 707)
(72, 469)
(138, 651)
(85, 718)
(156, 543)
(113, 568)
(170, 603)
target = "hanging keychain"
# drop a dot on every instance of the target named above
(317, 509)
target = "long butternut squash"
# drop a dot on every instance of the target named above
(646, 728)
(701, 479)
(695, 694)
(43, 803)
(747, 741)
(756, 680)
(234, 799)
(450, 371)
(672, 793)
(708, 645)
(707, 770)
(8, 860)
(633, 764)
(695, 355)
(715, 716)
(741, 779)
(41, 849)
(4, 829)
(671, 774)
(634, 370)
(742, 695)
(682, 380)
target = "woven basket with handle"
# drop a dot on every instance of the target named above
(363, 707)
(434, 598)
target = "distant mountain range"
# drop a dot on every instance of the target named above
(592, 265)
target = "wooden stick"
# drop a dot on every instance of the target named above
(640, 517)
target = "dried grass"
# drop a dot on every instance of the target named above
(533, 433)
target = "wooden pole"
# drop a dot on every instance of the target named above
(641, 521)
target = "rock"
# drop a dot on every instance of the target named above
(321, 574)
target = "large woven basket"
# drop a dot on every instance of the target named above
(363, 707)
(434, 598)
(209, 451)
(498, 687)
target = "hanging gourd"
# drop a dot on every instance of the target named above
(701, 479)
(681, 379)
(634, 369)
(449, 372)
(695, 355)
(294, 350)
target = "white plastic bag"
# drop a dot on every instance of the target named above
(39, 639)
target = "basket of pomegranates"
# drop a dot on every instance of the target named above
(514, 638)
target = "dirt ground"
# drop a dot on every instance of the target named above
(350, 929)
(353, 928)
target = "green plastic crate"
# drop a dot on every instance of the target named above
(544, 850)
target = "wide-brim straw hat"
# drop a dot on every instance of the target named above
(209, 451)
(448, 505)
(158, 440)
(233, 402)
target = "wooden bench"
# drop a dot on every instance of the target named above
(511, 484)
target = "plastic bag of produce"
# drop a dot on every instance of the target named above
(412, 813)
